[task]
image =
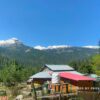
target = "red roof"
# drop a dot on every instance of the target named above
(75, 77)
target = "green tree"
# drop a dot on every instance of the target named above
(96, 63)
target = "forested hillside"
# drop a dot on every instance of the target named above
(29, 56)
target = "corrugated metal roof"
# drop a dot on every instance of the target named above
(75, 72)
(59, 67)
(41, 75)
(75, 77)
(93, 75)
(29, 80)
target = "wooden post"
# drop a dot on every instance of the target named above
(59, 96)
(35, 95)
(67, 88)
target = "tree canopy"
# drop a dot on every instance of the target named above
(14, 72)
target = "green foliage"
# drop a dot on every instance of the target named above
(14, 90)
(83, 66)
(13, 72)
(74, 64)
(88, 95)
(87, 66)
(96, 63)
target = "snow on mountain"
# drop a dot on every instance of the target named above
(51, 47)
(28, 50)
(9, 42)
(91, 47)
(62, 46)
(40, 47)
(58, 46)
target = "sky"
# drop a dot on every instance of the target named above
(51, 22)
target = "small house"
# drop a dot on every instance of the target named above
(69, 79)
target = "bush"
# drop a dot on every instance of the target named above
(89, 96)
(14, 91)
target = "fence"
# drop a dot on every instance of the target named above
(95, 89)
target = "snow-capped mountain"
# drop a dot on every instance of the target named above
(9, 42)
(62, 46)
(91, 47)
(13, 41)
(51, 47)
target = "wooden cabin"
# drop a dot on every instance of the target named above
(70, 79)
(76, 81)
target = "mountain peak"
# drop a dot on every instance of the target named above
(9, 42)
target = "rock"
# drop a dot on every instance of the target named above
(19, 97)
(25, 93)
